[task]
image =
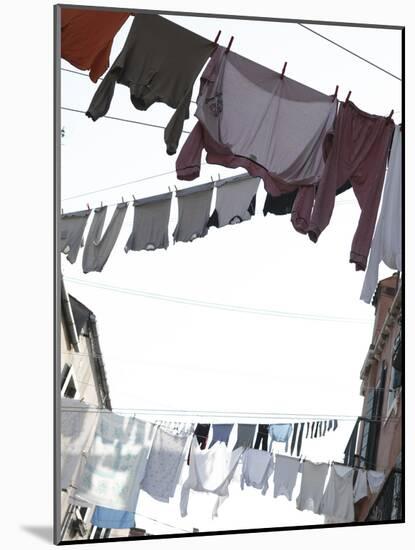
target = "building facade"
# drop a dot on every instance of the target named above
(376, 440)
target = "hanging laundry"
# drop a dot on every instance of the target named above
(108, 518)
(294, 437)
(220, 432)
(360, 485)
(257, 467)
(337, 503)
(313, 424)
(320, 424)
(312, 486)
(159, 63)
(300, 439)
(201, 433)
(283, 204)
(151, 223)
(78, 424)
(164, 465)
(324, 428)
(194, 209)
(72, 228)
(359, 153)
(210, 471)
(286, 469)
(335, 425)
(245, 436)
(330, 425)
(308, 429)
(87, 36)
(375, 480)
(98, 247)
(280, 433)
(262, 437)
(252, 118)
(387, 241)
(350, 450)
(115, 466)
(317, 424)
(235, 200)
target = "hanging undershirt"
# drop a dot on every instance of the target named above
(151, 223)
(257, 467)
(312, 486)
(235, 200)
(72, 227)
(194, 209)
(337, 503)
(360, 486)
(375, 480)
(286, 469)
(98, 247)
(280, 433)
(210, 471)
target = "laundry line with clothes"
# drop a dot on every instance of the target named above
(243, 110)
(107, 459)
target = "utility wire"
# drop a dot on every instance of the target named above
(349, 51)
(123, 119)
(100, 78)
(216, 305)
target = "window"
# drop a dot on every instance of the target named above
(394, 386)
(372, 420)
(68, 383)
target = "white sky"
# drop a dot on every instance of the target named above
(161, 354)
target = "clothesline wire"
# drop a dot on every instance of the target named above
(122, 119)
(349, 51)
(122, 184)
(99, 78)
(186, 414)
(220, 306)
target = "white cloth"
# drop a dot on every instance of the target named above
(286, 469)
(78, 424)
(257, 466)
(312, 486)
(210, 471)
(164, 465)
(387, 240)
(375, 480)
(115, 466)
(360, 486)
(337, 503)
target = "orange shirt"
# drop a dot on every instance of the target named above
(87, 37)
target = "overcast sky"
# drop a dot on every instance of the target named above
(162, 354)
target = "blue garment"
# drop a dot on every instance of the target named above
(280, 433)
(220, 432)
(112, 519)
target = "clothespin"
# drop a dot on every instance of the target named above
(87, 204)
(218, 177)
(217, 37)
(169, 189)
(133, 197)
(283, 70)
(101, 204)
(229, 45)
(335, 92)
(175, 188)
(391, 113)
(348, 96)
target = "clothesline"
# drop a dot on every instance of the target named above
(221, 306)
(222, 414)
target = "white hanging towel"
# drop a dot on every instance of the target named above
(312, 486)
(286, 469)
(257, 466)
(360, 486)
(375, 480)
(210, 471)
(78, 424)
(387, 241)
(337, 503)
(115, 466)
(164, 465)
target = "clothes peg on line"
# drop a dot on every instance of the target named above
(335, 92)
(348, 96)
(283, 70)
(229, 45)
(87, 204)
(391, 113)
(175, 188)
(217, 37)
(122, 199)
(101, 204)
(133, 197)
